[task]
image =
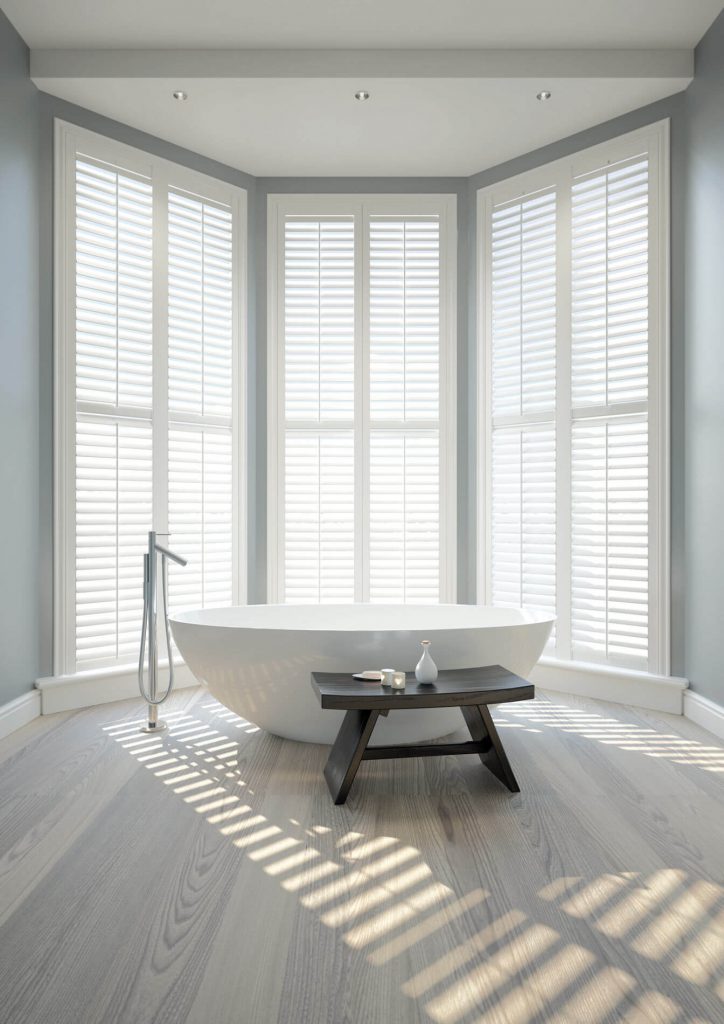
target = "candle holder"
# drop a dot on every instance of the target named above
(398, 681)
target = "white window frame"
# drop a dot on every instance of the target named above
(69, 140)
(362, 207)
(655, 140)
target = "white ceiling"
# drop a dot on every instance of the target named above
(290, 127)
(361, 23)
(434, 110)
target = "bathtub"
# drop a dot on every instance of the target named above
(257, 659)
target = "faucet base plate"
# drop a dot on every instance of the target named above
(153, 727)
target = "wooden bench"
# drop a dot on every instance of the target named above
(470, 689)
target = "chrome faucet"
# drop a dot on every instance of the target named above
(148, 628)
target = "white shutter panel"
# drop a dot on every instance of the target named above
(319, 319)
(200, 475)
(113, 376)
(404, 465)
(610, 541)
(113, 282)
(523, 520)
(523, 324)
(404, 275)
(200, 303)
(610, 457)
(404, 517)
(610, 297)
(200, 381)
(319, 466)
(113, 515)
(523, 273)
(319, 515)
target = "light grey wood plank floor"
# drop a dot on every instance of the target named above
(204, 877)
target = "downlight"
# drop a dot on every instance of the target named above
(543, 95)
(179, 94)
(362, 95)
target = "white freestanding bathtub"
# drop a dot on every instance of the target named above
(257, 659)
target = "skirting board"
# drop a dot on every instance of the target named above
(85, 689)
(17, 713)
(704, 712)
(657, 693)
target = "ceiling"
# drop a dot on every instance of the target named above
(361, 23)
(309, 127)
(453, 84)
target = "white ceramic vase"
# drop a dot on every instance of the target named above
(426, 669)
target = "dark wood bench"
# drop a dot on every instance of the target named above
(470, 689)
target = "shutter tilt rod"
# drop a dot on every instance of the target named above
(148, 629)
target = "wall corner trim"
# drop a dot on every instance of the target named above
(19, 712)
(706, 713)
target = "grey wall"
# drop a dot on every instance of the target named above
(704, 391)
(19, 468)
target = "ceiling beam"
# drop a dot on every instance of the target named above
(362, 64)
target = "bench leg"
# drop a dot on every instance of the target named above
(482, 728)
(347, 752)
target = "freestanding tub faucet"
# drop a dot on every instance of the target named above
(148, 629)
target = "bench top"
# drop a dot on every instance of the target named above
(455, 687)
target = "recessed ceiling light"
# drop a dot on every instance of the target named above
(179, 94)
(543, 95)
(362, 95)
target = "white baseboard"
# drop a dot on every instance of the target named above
(622, 686)
(19, 712)
(704, 712)
(86, 689)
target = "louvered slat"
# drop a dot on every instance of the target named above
(610, 299)
(523, 517)
(609, 573)
(404, 326)
(200, 516)
(113, 286)
(319, 517)
(404, 517)
(113, 484)
(200, 306)
(523, 297)
(319, 311)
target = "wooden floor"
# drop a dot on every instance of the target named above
(206, 878)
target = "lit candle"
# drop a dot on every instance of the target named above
(398, 681)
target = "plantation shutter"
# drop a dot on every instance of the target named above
(576, 372)
(200, 375)
(148, 391)
(609, 452)
(523, 326)
(319, 457)
(359, 512)
(404, 333)
(113, 359)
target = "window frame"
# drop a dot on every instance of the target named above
(654, 139)
(361, 207)
(70, 140)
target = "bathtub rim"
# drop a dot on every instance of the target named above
(507, 618)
